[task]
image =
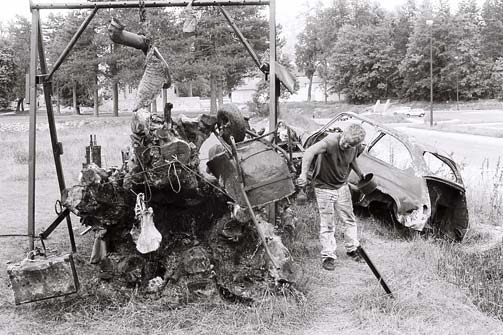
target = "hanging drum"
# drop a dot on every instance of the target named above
(265, 173)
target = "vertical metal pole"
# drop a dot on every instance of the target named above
(35, 17)
(56, 146)
(273, 117)
(431, 75)
(457, 88)
(273, 93)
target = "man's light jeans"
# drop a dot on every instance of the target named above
(331, 202)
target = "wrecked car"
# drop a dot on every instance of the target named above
(418, 185)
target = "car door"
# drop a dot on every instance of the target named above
(392, 164)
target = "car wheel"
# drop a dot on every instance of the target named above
(231, 123)
(408, 115)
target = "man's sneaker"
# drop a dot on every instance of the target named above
(355, 255)
(329, 264)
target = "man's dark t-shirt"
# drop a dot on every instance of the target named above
(333, 167)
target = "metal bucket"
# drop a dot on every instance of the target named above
(265, 173)
(367, 185)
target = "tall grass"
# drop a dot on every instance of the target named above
(485, 193)
(480, 273)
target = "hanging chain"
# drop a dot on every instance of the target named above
(142, 12)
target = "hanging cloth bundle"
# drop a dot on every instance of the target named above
(148, 239)
(155, 77)
(190, 18)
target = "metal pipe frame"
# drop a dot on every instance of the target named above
(72, 43)
(147, 4)
(36, 46)
(32, 151)
(57, 147)
(273, 89)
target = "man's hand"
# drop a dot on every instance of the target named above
(302, 181)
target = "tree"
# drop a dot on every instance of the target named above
(364, 59)
(492, 32)
(309, 48)
(214, 53)
(18, 35)
(8, 72)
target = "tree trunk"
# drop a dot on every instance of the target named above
(310, 87)
(213, 101)
(20, 105)
(190, 93)
(115, 97)
(58, 104)
(115, 84)
(76, 108)
(325, 89)
(96, 102)
(203, 244)
(220, 93)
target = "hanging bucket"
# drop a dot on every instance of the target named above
(265, 173)
(367, 185)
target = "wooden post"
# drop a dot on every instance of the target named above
(32, 151)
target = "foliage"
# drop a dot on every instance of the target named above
(308, 49)
(8, 72)
(18, 32)
(260, 100)
(365, 61)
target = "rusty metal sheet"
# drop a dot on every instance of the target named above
(265, 173)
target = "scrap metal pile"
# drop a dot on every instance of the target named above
(160, 225)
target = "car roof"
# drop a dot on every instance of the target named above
(411, 142)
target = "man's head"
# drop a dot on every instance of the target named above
(352, 136)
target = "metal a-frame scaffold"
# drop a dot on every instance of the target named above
(44, 78)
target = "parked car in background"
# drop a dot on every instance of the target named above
(408, 111)
(419, 186)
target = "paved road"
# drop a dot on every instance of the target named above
(469, 150)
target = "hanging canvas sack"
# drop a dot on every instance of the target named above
(190, 19)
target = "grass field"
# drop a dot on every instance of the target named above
(432, 281)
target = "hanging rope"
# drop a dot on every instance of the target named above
(172, 166)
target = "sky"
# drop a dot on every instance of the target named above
(287, 13)
(286, 8)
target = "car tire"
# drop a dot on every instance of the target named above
(231, 122)
(408, 115)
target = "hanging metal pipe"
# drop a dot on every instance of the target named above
(120, 36)
(146, 4)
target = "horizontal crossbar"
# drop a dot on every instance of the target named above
(147, 4)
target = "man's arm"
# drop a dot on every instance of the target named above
(356, 169)
(307, 159)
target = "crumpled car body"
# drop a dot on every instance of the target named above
(419, 185)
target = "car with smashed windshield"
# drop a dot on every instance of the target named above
(418, 185)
